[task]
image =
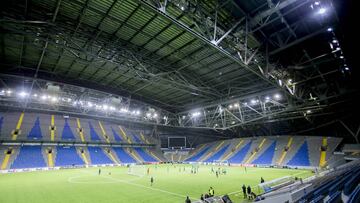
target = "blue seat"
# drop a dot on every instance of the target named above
(218, 154)
(29, 157)
(98, 156)
(334, 197)
(35, 132)
(355, 195)
(67, 156)
(197, 156)
(117, 137)
(239, 156)
(267, 156)
(301, 158)
(145, 156)
(123, 156)
(93, 134)
(67, 133)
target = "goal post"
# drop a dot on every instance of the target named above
(137, 170)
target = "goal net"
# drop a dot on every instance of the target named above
(137, 170)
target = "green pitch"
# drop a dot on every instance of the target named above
(170, 184)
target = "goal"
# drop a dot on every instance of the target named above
(137, 170)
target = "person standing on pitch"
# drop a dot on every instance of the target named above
(151, 181)
(99, 171)
(244, 191)
(187, 200)
(249, 191)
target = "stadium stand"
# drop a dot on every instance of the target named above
(267, 156)
(93, 134)
(217, 155)
(144, 155)
(29, 157)
(35, 132)
(67, 156)
(301, 158)
(67, 133)
(195, 157)
(239, 156)
(123, 156)
(98, 156)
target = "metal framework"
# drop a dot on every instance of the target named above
(200, 64)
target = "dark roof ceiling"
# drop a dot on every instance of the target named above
(127, 47)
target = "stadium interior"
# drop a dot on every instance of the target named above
(169, 100)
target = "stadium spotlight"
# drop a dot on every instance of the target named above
(44, 97)
(277, 96)
(54, 99)
(330, 29)
(112, 108)
(334, 41)
(183, 117)
(105, 107)
(35, 95)
(137, 112)
(341, 56)
(230, 106)
(195, 114)
(89, 104)
(233, 122)
(253, 101)
(23, 94)
(148, 115)
(155, 115)
(322, 11)
(68, 99)
(8, 92)
(236, 105)
(308, 111)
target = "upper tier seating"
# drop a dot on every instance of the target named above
(123, 156)
(239, 156)
(301, 158)
(267, 156)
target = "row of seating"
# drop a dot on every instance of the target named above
(276, 150)
(44, 127)
(336, 188)
(37, 156)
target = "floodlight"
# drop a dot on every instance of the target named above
(54, 99)
(277, 96)
(230, 106)
(148, 115)
(44, 97)
(105, 107)
(89, 104)
(253, 101)
(9, 92)
(23, 94)
(334, 41)
(308, 111)
(155, 115)
(341, 56)
(322, 11)
(35, 95)
(330, 29)
(236, 105)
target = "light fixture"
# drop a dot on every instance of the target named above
(195, 114)
(308, 111)
(330, 29)
(89, 104)
(277, 96)
(253, 101)
(236, 105)
(54, 99)
(9, 92)
(44, 97)
(35, 95)
(137, 112)
(334, 41)
(23, 94)
(341, 56)
(230, 106)
(155, 115)
(105, 107)
(148, 115)
(322, 11)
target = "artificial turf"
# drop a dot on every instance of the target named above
(114, 184)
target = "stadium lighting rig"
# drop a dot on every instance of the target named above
(47, 99)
